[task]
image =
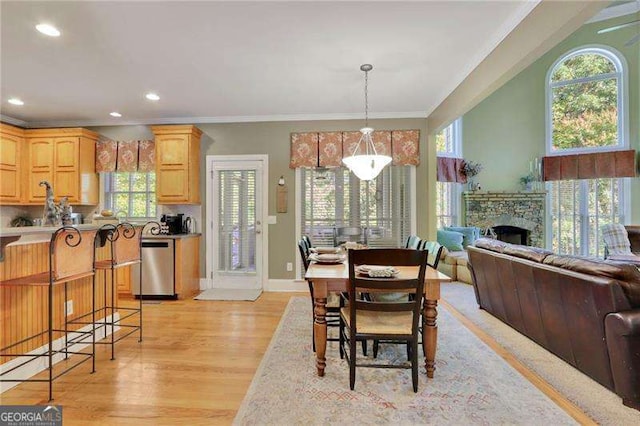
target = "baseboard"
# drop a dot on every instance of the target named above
(286, 285)
(206, 283)
(41, 364)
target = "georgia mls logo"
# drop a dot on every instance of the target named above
(32, 415)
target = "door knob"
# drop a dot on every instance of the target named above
(258, 231)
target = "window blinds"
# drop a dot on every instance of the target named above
(336, 198)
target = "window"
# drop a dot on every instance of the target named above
(585, 92)
(131, 193)
(585, 113)
(335, 197)
(448, 144)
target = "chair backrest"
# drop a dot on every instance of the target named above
(307, 241)
(435, 252)
(126, 244)
(616, 239)
(72, 252)
(413, 242)
(364, 284)
(304, 254)
(343, 234)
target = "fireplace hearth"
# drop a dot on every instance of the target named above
(514, 217)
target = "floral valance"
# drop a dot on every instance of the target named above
(125, 156)
(326, 149)
(613, 164)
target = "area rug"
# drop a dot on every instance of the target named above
(596, 401)
(229, 294)
(472, 384)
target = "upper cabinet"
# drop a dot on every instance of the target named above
(11, 148)
(177, 164)
(66, 159)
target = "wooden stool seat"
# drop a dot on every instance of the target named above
(42, 279)
(108, 264)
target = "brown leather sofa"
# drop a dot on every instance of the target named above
(585, 311)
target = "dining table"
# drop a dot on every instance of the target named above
(328, 278)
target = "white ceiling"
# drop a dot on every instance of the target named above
(241, 61)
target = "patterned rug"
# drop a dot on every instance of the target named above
(472, 384)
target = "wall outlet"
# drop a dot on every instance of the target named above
(69, 307)
(289, 266)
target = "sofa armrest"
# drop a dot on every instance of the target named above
(623, 342)
(633, 231)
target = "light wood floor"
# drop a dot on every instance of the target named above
(194, 366)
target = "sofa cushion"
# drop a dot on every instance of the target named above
(450, 239)
(616, 239)
(491, 244)
(470, 234)
(458, 257)
(535, 254)
(627, 275)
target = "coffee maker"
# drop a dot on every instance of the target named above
(174, 223)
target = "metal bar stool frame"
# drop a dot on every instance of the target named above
(72, 238)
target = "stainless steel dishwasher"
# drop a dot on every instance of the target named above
(158, 277)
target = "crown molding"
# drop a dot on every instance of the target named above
(223, 120)
(615, 11)
(12, 121)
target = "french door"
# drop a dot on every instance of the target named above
(235, 195)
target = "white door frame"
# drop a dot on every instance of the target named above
(210, 243)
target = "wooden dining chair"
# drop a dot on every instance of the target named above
(413, 242)
(435, 252)
(381, 320)
(333, 302)
(307, 241)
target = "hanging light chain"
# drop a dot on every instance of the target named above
(366, 98)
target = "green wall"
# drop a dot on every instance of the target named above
(272, 138)
(506, 130)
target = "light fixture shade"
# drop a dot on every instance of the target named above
(366, 167)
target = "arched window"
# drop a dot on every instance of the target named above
(585, 108)
(586, 91)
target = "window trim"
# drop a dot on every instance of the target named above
(298, 213)
(622, 74)
(456, 153)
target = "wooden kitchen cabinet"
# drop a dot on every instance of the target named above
(65, 158)
(177, 164)
(11, 148)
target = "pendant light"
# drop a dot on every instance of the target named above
(368, 165)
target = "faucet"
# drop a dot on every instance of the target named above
(121, 214)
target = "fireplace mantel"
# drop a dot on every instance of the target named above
(523, 209)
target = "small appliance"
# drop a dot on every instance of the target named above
(174, 223)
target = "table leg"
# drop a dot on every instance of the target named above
(320, 330)
(430, 336)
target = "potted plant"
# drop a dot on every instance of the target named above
(471, 169)
(527, 181)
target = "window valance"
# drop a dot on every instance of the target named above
(613, 164)
(326, 149)
(125, 156)
(449, 169)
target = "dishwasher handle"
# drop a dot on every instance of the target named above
(155, 244)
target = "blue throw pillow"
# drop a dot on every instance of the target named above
(470, 233)
(450, 239)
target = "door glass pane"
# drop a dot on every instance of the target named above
(237, 222)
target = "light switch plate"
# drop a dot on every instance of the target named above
(272, 220)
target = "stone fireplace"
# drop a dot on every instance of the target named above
(515, 217)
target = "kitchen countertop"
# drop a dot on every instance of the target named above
(32, 230)
(172, 237)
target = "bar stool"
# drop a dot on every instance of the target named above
(71, 258)
(125, 241)
(124, 245)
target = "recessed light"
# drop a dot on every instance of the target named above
(47, 29)
(115, 114)
(15, 101)
(152, 97)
